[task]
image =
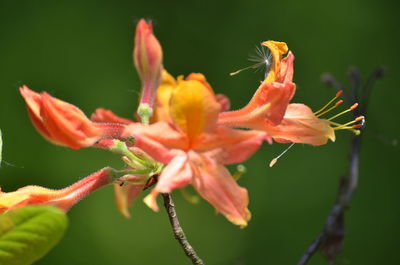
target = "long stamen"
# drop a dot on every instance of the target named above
(273, 161)
(331, 108)
(338, 94)
(358, 119)
(343, 112)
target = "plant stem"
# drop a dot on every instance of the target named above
(178, 231)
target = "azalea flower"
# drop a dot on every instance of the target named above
(194, 147)
(186, 136)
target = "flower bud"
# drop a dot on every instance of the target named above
(60, 122)
(63, 199)
(147, 55)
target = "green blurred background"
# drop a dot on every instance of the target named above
(80, 51)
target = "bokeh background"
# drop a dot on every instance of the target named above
(80, 51)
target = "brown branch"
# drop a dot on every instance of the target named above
(330, 240)
(178, 231)
(332, 235)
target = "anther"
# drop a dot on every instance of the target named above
(355, 105)
(346, 125)
(360, 118)
(338, 103)
(273, 161)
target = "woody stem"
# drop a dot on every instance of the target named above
(178, 231)
(330, 240)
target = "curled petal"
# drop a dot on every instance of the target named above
(277, 50)
(33, 102)
(107, 116)
(215, 184)
(223, 101)
(176, 174)
(287, 71)
(300, 125)
(64, 198)
(201, 78)
(124, 196)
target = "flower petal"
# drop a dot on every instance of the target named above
(160, 140)
(124, 196)
(105, 115)
(60, 122)
(237, 145)
(300, 125)
(67, 123)
(268, 104)
(164, 92)
(176, 174)
(33, 102)
(193, 108)
(215, 184)
(277, 49)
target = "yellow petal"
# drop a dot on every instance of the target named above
(277, 49)
(193, 108)
(164, 92)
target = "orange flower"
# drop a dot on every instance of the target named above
(269, 109)
(62, 123)
(188, 139)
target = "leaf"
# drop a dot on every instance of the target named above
(28, 233)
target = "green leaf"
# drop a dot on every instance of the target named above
(28, 233)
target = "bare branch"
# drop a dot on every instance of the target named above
(329, 241)
(178, 231)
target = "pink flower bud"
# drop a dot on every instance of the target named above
(147, 55)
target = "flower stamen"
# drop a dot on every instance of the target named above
(240, 170)
(353, 107)
(273, 161)
(351, 128)
(338, 94)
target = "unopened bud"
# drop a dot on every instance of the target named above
(147, 55)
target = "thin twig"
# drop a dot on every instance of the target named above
(178, 231)
(329, 241)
